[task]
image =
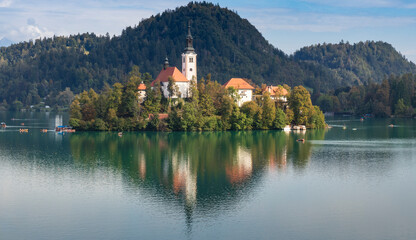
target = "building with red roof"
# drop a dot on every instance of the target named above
(277, 93)
(181, 79)
(244, 89)
(141, 92)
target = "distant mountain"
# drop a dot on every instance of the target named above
(4, 42)
(358, 63)
(227, 46)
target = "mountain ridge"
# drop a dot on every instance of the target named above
(227, 46)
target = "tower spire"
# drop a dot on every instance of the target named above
(189, 40)
(166, 65)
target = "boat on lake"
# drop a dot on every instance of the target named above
(3, 125)
(64, 129)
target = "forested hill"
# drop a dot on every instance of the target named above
(358, 63)
(227, 46)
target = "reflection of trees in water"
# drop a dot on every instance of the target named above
(207, 167)
(205, 173)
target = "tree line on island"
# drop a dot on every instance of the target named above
(210, 107)
(395, 96)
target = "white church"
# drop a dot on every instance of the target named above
(182, 79)
(189, 73)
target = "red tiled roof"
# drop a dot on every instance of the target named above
(238, 83)
(141, 86)
(170, 72)
(276, 90)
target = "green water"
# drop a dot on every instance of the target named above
(353, 183)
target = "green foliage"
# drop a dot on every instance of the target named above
(301, 105)
(403, 110)
(206, 105)
(74, 122)
(17, 105)
(99, 125)
(173, 89)
(280, 119)
(393, 95)
(190, 117)
(152, 103)
(353, 64)
(250, 109)
(75, 110)
(129, 101)
(268, 111)
(316, 119)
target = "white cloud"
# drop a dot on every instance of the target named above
(5, 3)
(30, 31)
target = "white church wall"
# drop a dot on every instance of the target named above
(245, 96)
(183, 89)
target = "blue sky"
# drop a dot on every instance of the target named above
(288, 25)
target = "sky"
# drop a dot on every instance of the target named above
(286, 24)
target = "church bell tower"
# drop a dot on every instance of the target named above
(189, 58)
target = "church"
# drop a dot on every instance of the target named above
(182, 79)
(188, 74)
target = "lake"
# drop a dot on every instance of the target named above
(353, 183)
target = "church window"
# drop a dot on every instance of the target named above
(190, 69)
(183, 59)
(191, 60)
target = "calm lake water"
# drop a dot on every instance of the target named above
(357, 183)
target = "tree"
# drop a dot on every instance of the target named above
(234, 94)
(114, 96)
(402, 110)
(269, 111)
(129, 101)
(173, 89)
(280, 119)
(316, 119)
(189, 117)
(300, 103)
(75, 110)
(225, 111)
(206, 105)
(65, 98)
(153, 97)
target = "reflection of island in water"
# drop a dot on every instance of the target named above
(203, 168)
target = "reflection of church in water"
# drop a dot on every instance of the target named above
(174, 170)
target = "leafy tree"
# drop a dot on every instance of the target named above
(65, 98)
(129, 101)
(300, 103)
(402, 109)
(173, 89)
(17, 105)
(75, 110)
(250, 109)
(153, 99)
(206, 105)
(280, 119)
(268, 111)
(189, 117)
